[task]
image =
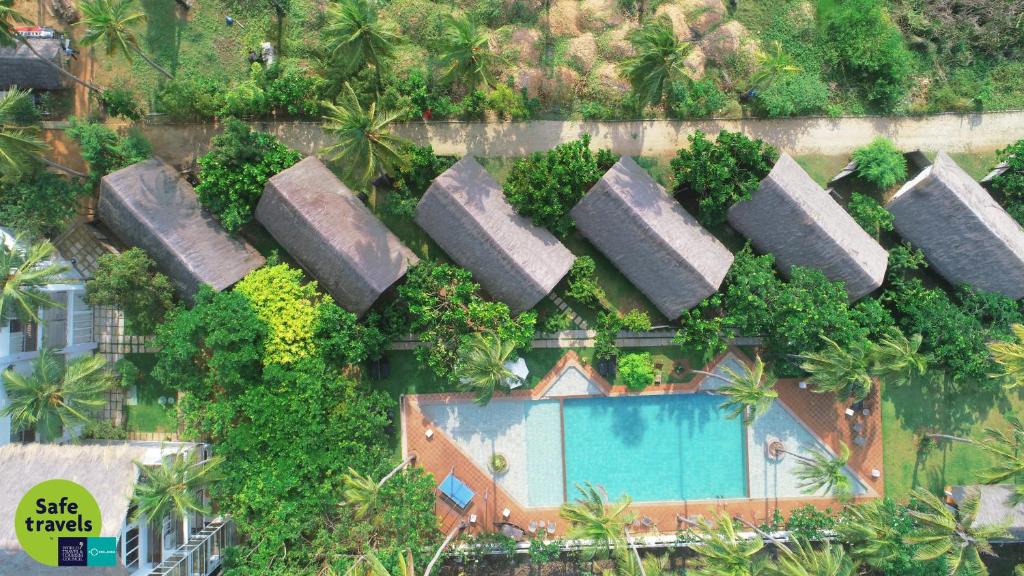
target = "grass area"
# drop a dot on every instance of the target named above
(822, 167)
(977, 164)
(910, 411)
(148, 415)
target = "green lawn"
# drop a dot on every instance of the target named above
(822, 167)
(148, 415)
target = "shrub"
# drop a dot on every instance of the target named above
(342, 340)
(412, 180)
(507, 103)
(810, 524)
(636, 321)
(636, 371)
(104, 150)
(293, 90)
(608, 325)
(557, 322)
(1011, 182)
(129, 281)
(40, 203)
(279, 297)
(694, 99)
(191, 99)
(794, 95)
(233, 173)
(246, 98)
(723, 172)
(881, 163)
(583, 284)
(412, 95)
(545, 186)
(872, 216)
(120, 102)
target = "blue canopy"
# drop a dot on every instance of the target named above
(456, 491)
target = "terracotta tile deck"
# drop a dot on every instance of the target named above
(820, 413)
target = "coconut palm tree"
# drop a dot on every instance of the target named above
(20, 144)
(27, 272)
(842, 370)
(1007, 456)
(1010, 358)
(56, 394)
(481, 366)
(896, 358)
(110, 22)
(467, 57)
(723, 551)
(595, 520)
(365, 143)
(820, 470)
(748, 393)
(370, 565)
(361, 492)
(953, 535)
(799, 558)
(355, 33)
(771, 66)
(660, 59)
(175, 487)
(9, 19)
(871, 532)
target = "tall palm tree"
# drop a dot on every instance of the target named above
(370, 565)
(660, 59)
(941, 532)
(20, 145)
(175, 487)
(723, 551)
(1010, 358)
(1007, 456)
(27, 272)
(365, 143)
(824, 472)
(467, 57)
(844, 370)
(593, 519)
(896, 358)
(9, 19)
(800, 558)
(749, 393)
(361, 492)
(110, 22)
(871, 533)
(481, 366)
(355, 32)
(56, 394)
(771, 66)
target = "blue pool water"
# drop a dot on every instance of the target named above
(654, 448)
(544, 454)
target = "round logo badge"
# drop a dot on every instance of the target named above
(54, 520)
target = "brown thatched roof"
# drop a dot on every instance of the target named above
(20, 67)
(651, 239)
(466, 213)
(790, 216)
(995, 508)
(964, 233)
(149, 205)
(325, 227)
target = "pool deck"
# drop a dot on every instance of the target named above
(818, 412)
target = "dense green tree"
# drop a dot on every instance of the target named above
(287, 304)
(356, 36)
(129, 281)
(481, 369)
(29, 269)
(872, 216)
(723, 172)
(342, 339)
(233, 174)
(111, 24)
(365, 145)
(41, 203)
(466, 56)
(881, 163)
(544, 186)
(594, 519)
(660, 59)
(175, 487)
(411, 181)
(636, 370)
(57, 394)
(1010, 184)
(953, 535)
(583, 285)
(104, 150)
(749, 392)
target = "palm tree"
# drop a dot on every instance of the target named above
(28, 271)
(1010, 358)
(370, 565)
(174, 488)
(771, 66)
(799, 558)
(57, 394)
(723, 551)
(821, 471)
(365, 144)
(20, 145)
(9, 19)
(895, 358)
(660, 59)
(871, 532)
(749, 393)
(842, 370)
(355, 33)
(1007, 455)
(595, 520)
(941, 532)
(466, 55)
(481, 366)
(110, 22)
(361, 492)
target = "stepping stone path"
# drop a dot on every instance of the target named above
(562, 305)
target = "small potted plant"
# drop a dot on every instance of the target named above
(499, 464)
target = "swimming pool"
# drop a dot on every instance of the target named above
(655, 448)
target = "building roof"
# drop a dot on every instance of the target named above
(965, 235)
(149, 205)
(20, 67)
(325, 227)
(651, 239)
(994, 507)
(791, 217)
(107, 472)
(466, 213)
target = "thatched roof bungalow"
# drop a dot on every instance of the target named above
(995, 508)
(149, 205)
(325, 227)
(964, 233)
(20, 67)
(466, 213)
(651, 239)
(791, 217)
